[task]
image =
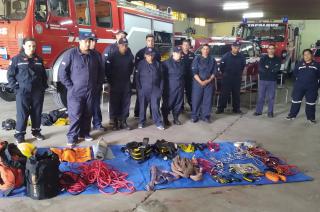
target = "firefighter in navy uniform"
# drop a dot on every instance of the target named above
(109, 50)
(81, 72)
(149, 82)
(139, 57)
(187, 58)
(121, 65)
(232, 65)
(204, 69)
(96, 110)
(307, 74)
(27, 77)
(173, 90)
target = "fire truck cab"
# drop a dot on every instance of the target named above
(56, 25)
(283, 35)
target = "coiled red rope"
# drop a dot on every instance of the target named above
(100, 174)
(273, 162)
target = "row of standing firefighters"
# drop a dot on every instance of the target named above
(83, 71)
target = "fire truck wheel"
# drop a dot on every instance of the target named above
(60, 96)
(7, 96)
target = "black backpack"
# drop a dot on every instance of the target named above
(42, 176)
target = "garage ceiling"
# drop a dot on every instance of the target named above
(273, 9)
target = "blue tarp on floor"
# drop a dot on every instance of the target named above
(139, 174)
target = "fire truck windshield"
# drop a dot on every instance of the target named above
(262, 32)
(13, 9)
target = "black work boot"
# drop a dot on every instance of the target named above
(219, 111)
(166, 121)
(115, 125)
(124, 125)
(176, 121)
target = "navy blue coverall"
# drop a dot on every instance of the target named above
(27, 77)
(149, 81)
(139, 57)
(96, 110)
(118, 75)
(202, 96)
(306, 84)
(81, 74)
(187, 60)
(173, 90)
(232, 67)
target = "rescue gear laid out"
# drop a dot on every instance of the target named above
(54, 117)
(42, 176)
(139, 151)
(274, 177)
(186, 169)
(12, 165)
(187, 148)
(73, 155)
(166, 150)
(160, 177)
(205, 165)
(9, 124)
(272, 162)
(11, 156)
(27, 149)
(212, 146)
(100, 150)
(100, 174)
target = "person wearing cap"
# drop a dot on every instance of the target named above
(138, 58)
(80, 72)
(269, 68)
(204, 68)
(27, 78)
(187, 58)
(149, 82)
(96, 110)
(173, 90)
(121, 65)
(232, 65)
(109, 50)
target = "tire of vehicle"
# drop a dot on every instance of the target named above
(60, 96)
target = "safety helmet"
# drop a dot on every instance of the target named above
(9, 124)
(27, 149)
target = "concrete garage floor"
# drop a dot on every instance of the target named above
(296, 141)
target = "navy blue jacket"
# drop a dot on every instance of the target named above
(307, 74)
(140, 56)
(232, 66)
(81, 73)
(269, 68)
(27, 73)
(204, 67)
(121, 68)
(108, 53)
(187, 60)
(149, 77)
(173, 75)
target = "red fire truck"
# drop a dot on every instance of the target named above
(285, 37)
(56, 25)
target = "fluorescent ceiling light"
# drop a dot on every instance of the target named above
(253, 15)
(236, 5)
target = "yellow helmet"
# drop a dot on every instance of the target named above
(27, 149)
